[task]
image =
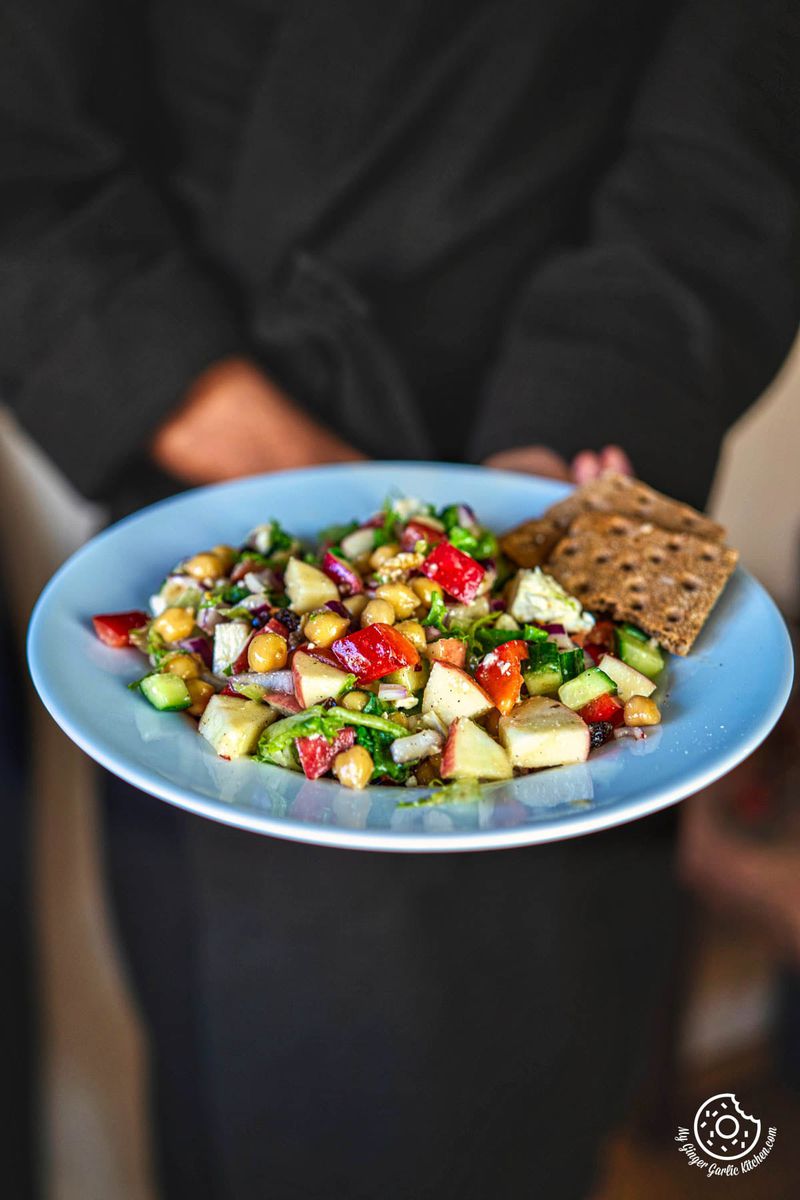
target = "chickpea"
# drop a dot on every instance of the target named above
(185, 665)
(641, 710)
(377, 610)
(174, 624)
(355, 701)
(414, 632)
(426, 589)
(226, 555)
(400, 596)
(383, 554)
(204, 566)
(353, 768)
(200, 693)
(324, 627)
(355, 605)
(267, 652)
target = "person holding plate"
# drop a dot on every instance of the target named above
(239, 238)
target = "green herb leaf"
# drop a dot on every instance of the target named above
(437, 614)
(379, 746)
(348, 685)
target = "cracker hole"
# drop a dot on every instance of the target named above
(709, 554)
(618, 529)
(570, 550)
(637, 587)
(627, 567)
(602, 558)
(691, 584)
(656, 559)
(637, 605)
(673, 616)
(674, 544)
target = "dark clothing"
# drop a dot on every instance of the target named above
(18, 1050)
(447, 229)
(548, 221)
(334, 1025)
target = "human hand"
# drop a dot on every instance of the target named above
(235, 421)
(540, 460)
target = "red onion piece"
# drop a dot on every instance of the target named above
(393, 691)
(554, 629)
(629, 731)
(337, 607)
(207, 618)
(273, 681)
(200, 646)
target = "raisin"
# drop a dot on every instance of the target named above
(599, 733)
(288, 618)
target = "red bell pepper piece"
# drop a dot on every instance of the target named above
(456, 572)
(499, 674)
(603, 708)
(346, 578)
(114, 629)
(316, 753)
(374, 651)
(417, 530)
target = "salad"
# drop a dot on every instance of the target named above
(403, 649)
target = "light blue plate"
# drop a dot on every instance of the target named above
(718, 704)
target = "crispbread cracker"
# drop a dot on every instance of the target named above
(530, 544)
(614, 493)
(663, 581)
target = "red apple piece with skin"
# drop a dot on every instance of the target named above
(315, 681)
(375, 651)
(343, 574)
(446, 649)
(316, 753)
(471, 753)
(452, 693)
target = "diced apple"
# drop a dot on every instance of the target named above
(629, 682)
(230, 639)
(358, 543)
(343, 574)
(315, 680)
(307, 587)
(233, 725)
(471, 753)
(452, 693)
(464, 614)
(452, 650)
(284, 704)
(413, 678)
(316, 753)
(542, 732)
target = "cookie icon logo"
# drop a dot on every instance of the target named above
(723, 1130)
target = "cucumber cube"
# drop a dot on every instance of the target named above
(167, 693)
(577, 692)
(635, 649)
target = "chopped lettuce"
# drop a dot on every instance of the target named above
(479, 545)
(379, 746)
(438, 613)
